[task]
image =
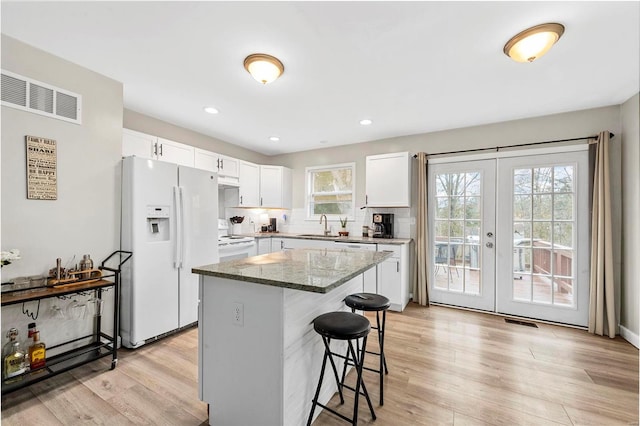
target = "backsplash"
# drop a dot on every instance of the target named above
(295, 221)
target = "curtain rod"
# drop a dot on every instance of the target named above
(498, 148)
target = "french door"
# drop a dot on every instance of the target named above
(510, 235)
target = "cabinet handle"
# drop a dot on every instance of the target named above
(397, 266)
(260, 200)
(222, 164)
(281, 245)
(161, 150)
(218, 163)
(241, 200)
(155, 149)
(366, 200)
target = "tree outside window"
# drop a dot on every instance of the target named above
(330, 190)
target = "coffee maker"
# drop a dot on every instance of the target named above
(382, 225)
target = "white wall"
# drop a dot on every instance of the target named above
(85, 219)
(630, 291)
(152, 126)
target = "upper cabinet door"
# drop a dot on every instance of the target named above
(229, 166)
(138, 144)
(249, 178)
(205, 160)
(275, 187)
(175, 152)
(388, 180)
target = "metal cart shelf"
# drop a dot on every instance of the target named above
(102, 344)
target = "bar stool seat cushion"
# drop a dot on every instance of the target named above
(342, 325)
(367, 302)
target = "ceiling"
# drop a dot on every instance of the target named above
(411, 67)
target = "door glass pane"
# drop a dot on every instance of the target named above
(563, 207)
(522, 206)
(542, 179)
(522, 181)
(457, 207)
(458, 229)
(522, 287)
(541, 288)
(544, 219)
(563, 179)
(563, 235)
(542, 207)
(472, 210)
(522, 233)
(473, 183)
(442, 207)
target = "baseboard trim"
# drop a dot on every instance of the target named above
(630, 336)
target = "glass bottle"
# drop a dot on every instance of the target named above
(37, 352)
(13, 363)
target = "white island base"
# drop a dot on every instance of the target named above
(264, 371)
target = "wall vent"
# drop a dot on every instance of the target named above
(34, 96)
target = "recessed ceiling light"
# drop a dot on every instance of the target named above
(211, 110)
(532, 43)
(323, 141)
(365, 122)
(274, 138)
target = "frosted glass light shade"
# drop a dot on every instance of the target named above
(532, 43)
(264, 68)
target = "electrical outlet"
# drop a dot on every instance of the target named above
(238, 314)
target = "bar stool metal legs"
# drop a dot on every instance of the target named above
(332, 325)
(372, 303)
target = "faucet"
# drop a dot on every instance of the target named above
(326, 231)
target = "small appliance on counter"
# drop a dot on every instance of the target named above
(382, 225)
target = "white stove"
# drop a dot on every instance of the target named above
(232, 247)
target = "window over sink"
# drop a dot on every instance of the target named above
(330, 191)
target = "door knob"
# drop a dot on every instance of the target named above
(489, 234)
(490, 245)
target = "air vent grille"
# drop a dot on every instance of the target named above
(14, 90)
(67, 106)
(43, 99)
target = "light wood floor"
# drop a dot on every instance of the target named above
(446, 367)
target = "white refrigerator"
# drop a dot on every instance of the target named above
(169, 222)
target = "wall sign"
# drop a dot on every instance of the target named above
(42, 169)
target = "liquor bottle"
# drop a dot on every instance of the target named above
(37, 352)
(13, 363)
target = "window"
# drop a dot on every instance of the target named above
(330, 191)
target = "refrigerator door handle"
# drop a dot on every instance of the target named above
(181, 226)
(178, 222)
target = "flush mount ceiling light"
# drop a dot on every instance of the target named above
(264, 68)
(365, 122)
(274, 139)
(532, 43)
(211, 110)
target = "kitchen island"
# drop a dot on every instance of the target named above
(258, 356)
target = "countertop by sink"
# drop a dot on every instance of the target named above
(336, 238)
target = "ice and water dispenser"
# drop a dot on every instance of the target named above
(158, 223)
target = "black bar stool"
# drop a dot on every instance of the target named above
(343, 326)
(372, 303)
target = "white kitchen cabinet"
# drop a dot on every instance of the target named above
(275, 187)
(388, 180)
(393, 275)
(226, 167)
(249, 180)
(370, 279)
(138, 144)
(155, 148)
(264, 245)
(175, 152)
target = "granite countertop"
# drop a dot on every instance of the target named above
(315, 270)
(336, 238)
